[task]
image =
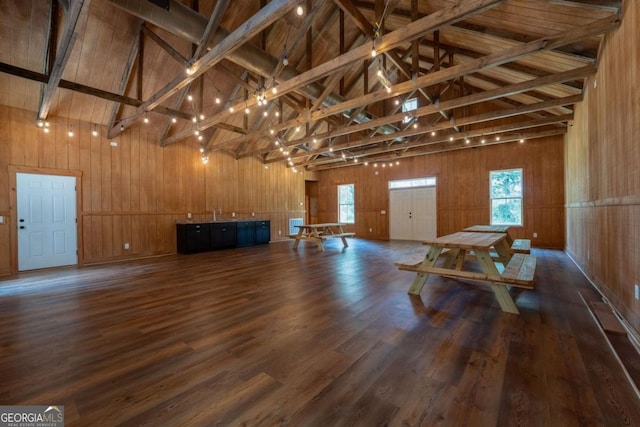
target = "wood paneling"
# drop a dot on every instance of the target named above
(603, 178)
(134, 192)
(462, 190)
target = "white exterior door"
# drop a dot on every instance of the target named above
(400, 215)
(412, 214)
(47, 230)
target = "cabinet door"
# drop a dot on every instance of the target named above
(246, 233)
(223, 235)
(263, 232)
(192, 238)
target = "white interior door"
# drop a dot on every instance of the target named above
(47, 231)
(412, 214)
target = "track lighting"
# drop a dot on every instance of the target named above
(94, 132)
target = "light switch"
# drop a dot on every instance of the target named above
(383, 212)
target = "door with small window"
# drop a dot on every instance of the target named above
(412, 209)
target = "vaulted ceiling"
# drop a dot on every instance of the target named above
(258, 78)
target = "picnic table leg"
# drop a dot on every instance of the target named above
(344, 242)
(500, 291)
(318, 240)
(503, 248)
(421, 278)
(298, 238)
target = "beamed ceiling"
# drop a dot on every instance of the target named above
(481, 71)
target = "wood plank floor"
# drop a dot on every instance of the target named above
(266, 336)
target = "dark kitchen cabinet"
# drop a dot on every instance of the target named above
(208, 236)
(263, 232)
(223, 235)
(245, 233)
(192, 238)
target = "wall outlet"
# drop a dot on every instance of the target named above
(371, 230)
(636, 291)
(253, 214)
(189, 215)
(535, 235)
(126, 245)
(279, 232)
(233, 214)
(383, 212)
(113, 144)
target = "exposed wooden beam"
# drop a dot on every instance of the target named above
(498, 58)
(443, 126)
(62, 56)
(612, 5)
(165, 46)
(211, 28)
(124, 81)
(484, 134)
(258, 22)
(443, 146)
(389, 41)
(50, 55)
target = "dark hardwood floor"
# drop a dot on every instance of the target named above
(269, 336)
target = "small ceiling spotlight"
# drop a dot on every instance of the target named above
(205, 159)
(94, 132)
(466, 140)
(433, 133)
(194, 119)
(189, 97)
(201, 116)
(218, 100)
(40, 123)
(299, 10)
(146, 119)
(174, 120)
(521, 140)
(274, 89)
(70, 133)
(285, 60)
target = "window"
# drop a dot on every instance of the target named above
(409, 183)
(346, 205)
(409, 105)
(505, 189)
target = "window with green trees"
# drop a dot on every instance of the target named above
(505, 189)
(346, 204)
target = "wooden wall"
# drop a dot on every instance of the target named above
(136, 191)
(462, 196)
(603, 174)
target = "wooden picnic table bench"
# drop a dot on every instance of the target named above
(519, 269)
(318, 233)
